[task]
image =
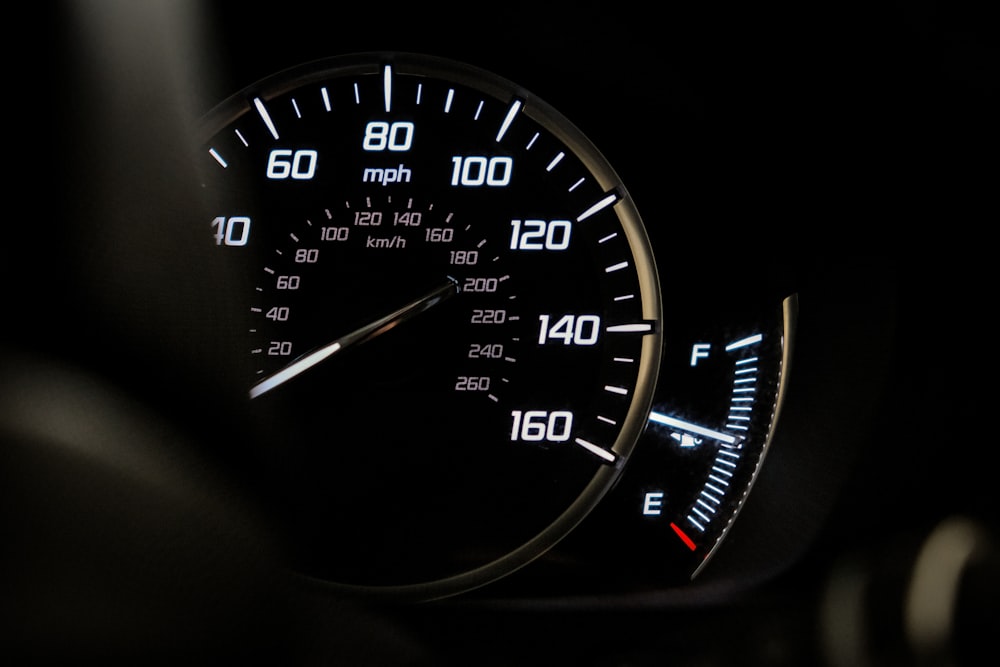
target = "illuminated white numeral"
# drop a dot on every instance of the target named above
(407, 218)
(279, 348)
(439, 235)
(231, 231)
(368, 218)
(541, 425)
(570, 329)
(288, 282)
(380, 136)
(540, 234)
(488, 316)
(278, 313)
(476, 170)
(335, 233)
(472, 383)
(486, 351)
(464, 257)
(300, 165)
(488, 285)
(306, 255)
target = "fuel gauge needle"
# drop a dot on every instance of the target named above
(356, 337)
(682, 425)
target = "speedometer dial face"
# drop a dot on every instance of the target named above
(453, 315)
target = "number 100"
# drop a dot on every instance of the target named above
(476, 170)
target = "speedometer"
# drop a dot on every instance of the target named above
(453, 320)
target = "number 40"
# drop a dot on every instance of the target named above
(232, 231)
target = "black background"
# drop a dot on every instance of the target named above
(850, 148)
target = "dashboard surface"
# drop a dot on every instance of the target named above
(835, 158)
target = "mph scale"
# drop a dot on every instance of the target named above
(453, 322)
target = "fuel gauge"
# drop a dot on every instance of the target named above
(715, 409)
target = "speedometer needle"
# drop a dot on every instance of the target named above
(356, 337)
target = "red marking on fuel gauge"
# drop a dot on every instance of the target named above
(684, 538)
